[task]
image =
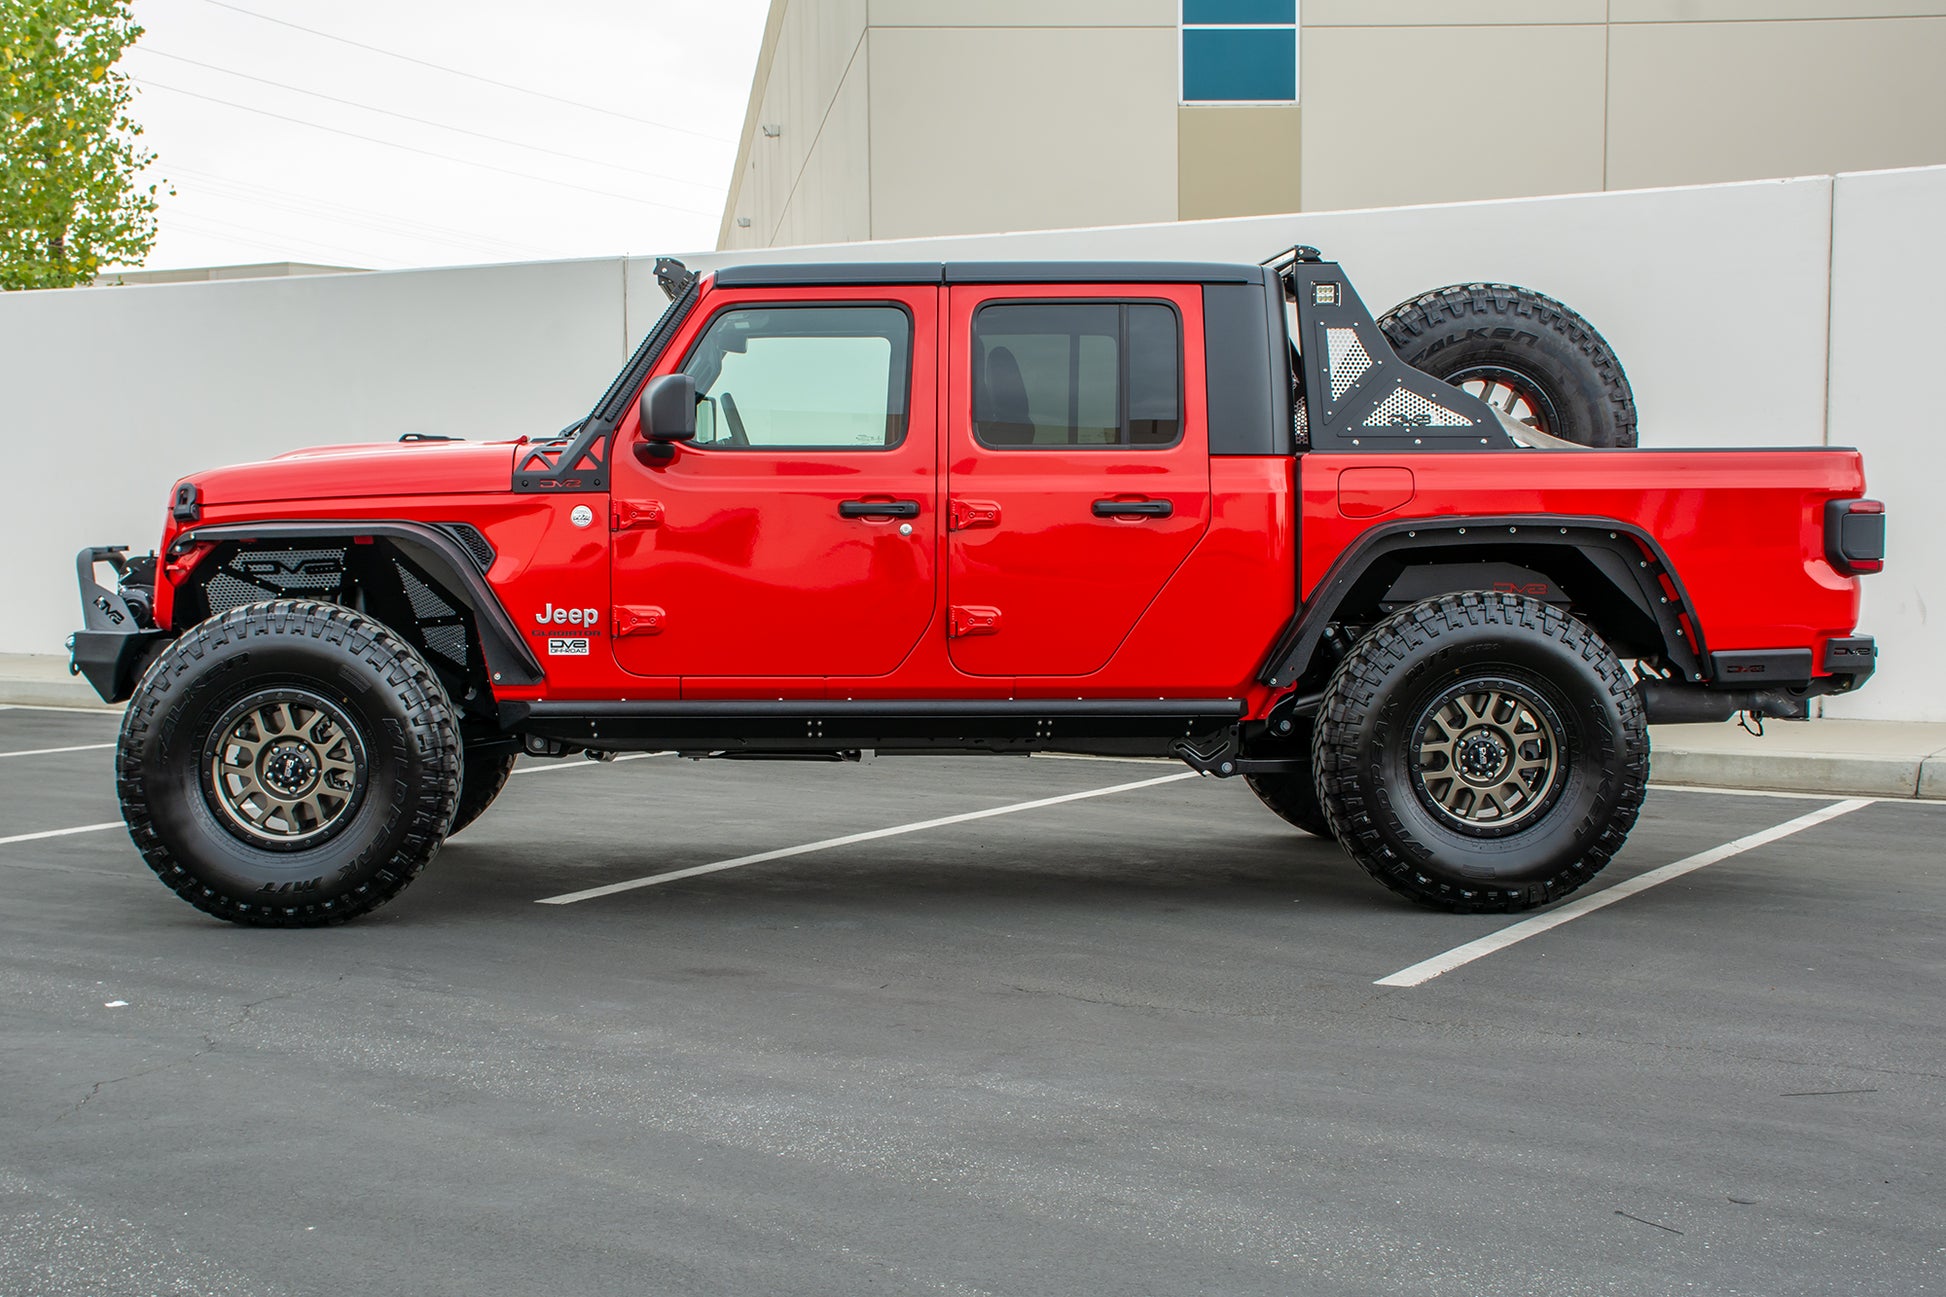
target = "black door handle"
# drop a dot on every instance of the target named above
(1133, 508)
(878, 508)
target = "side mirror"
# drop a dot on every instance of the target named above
(668, 408)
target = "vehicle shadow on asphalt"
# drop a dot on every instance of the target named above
(1244, 871)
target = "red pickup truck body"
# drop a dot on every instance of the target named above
(763, 590)
(1193, 510)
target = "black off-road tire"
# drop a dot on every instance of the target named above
(1293, 797)
(484, 772)
(1522, 340)
(317, 658)
(1383, 796)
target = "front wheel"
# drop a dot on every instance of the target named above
(288, 764)
(1482, 753)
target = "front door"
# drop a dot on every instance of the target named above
(1078, 469)
(794, 538)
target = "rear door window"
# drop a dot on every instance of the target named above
(1066, 375)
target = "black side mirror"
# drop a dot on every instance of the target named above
(669, 408)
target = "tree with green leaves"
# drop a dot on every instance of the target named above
(70, 160)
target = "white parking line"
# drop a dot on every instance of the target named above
(59, 833)
(896, 830)
(48, 752)
(1427, 969)
(568, 763)
(99, 710)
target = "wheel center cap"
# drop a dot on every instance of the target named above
(1481, 756)
(289, 768)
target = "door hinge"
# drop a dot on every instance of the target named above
(965, 515)
(974, 621)
(635, 513)
(638, 619)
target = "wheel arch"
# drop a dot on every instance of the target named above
(1613, 574)
(432, 553)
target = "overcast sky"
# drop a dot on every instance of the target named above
(656, 92)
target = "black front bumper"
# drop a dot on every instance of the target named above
(114, 643)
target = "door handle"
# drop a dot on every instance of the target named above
(878, 508)
(1134, 508)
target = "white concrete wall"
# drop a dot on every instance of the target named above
(1729, 304)
(1714, 296)
(1888, 270)
(108, 395)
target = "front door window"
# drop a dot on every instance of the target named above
(802, 377)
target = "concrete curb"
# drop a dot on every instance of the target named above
(1846, 758)
(1842, 758)
(42, 680)
(1848, 775)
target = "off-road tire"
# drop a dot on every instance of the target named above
(1482, 330)
(1293, 797)
(409, 764)
(483, 774)
(1372, 773)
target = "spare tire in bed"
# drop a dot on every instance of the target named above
(1522, 352)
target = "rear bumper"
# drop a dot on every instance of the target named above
(114, 642)
(1775, 683)
(1849, 663)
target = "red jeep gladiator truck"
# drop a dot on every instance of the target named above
(1192, 510)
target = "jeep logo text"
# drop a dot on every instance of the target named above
(550, 615)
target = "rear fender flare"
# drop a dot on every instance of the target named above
(508, 657)
(1598, 560)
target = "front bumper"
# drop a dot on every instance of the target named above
(114, 642)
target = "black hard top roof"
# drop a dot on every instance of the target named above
(990, 272)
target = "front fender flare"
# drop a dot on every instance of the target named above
(508, 657)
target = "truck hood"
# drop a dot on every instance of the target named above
(379, 469)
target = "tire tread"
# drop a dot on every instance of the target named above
(433, 729)
(1355, 691)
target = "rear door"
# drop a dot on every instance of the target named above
(794, 538)
(1078, 468)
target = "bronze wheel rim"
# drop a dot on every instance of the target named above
(1487, 756)
(1512, 393)
(284, 768)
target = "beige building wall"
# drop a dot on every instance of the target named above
(907, 118)
(961, 127)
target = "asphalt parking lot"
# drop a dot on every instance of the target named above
(1126, 1043)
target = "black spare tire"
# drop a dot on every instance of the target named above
(1522, 352)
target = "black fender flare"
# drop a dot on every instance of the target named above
(508, 657)
(1622, 557)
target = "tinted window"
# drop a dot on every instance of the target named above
(1057, 374)
(802, 377)
(1239, 51)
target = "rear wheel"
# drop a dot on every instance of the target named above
(1522, 352)
(1482, 752)
(1293, 797)
(288, 764)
